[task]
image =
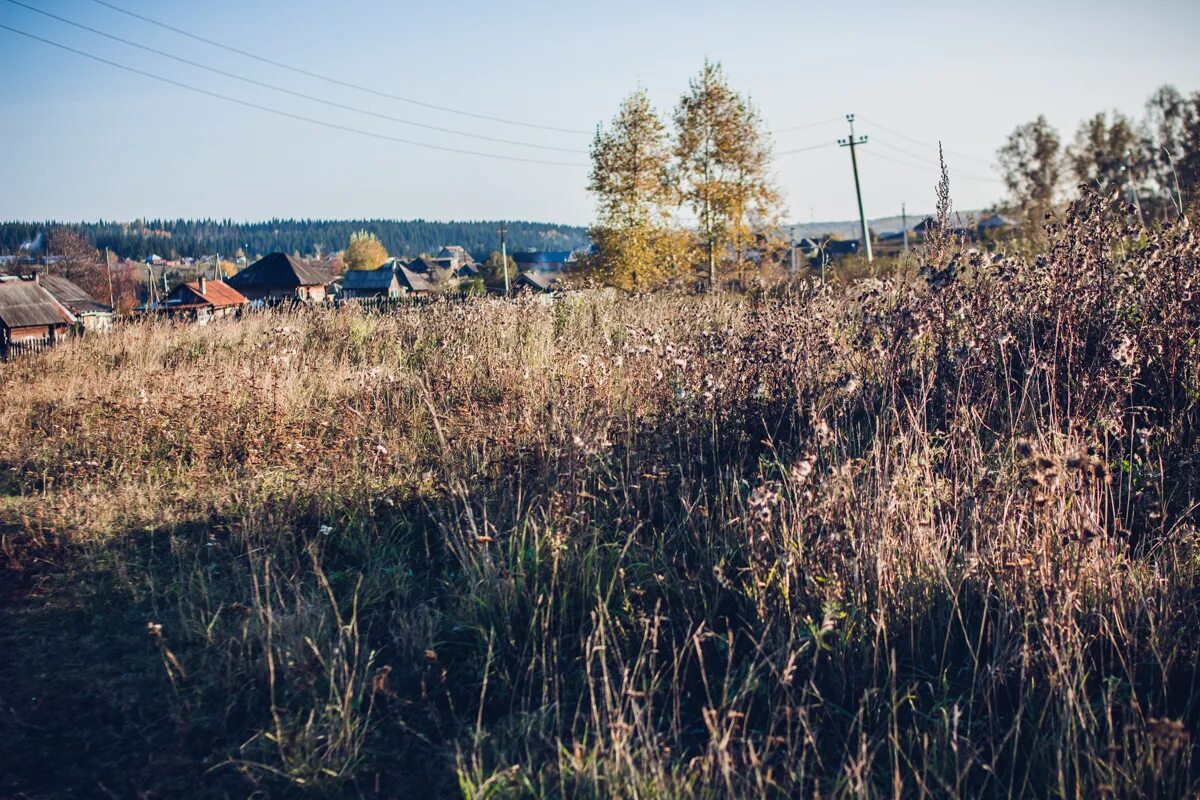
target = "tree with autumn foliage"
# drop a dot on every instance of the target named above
(635, 245)
(722, 168)
(364, 252)
(1031, 163)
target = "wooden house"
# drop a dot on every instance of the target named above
(457, 261)
(30, 314)
(369, 283)
(538, 282)
(92, 315)
(415, 282)
(278, 277)
(204, 300)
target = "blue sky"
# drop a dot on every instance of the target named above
(83, 140)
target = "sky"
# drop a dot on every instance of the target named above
(85, 140)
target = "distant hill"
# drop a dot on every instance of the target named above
(181, 238)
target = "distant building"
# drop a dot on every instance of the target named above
(544, 260)
(996, 222)
(457, 261)
(538, 281)
(378, 282)
(91, 314)
(414, 282)
(278, 277)
(823, 252)
(29, 314)
(204, 300)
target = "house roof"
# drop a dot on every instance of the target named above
(26, 304)
(278, 271)
(420, 264)
(996, 221)
(456, 251)
(540, 281)
(543, 257)
(217, 294)
(414, 281)
(379, 279)
(74, 298)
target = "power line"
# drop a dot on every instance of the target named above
(284, 90)
(917, 141)
(927, 167)
(282, 113)
(804, 149)
(807, 125)
(335, 81)
(931, 162)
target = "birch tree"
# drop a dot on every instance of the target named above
(723, 159)
(630, 178)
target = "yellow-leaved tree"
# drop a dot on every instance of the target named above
(723, 165)
(364, 252)
(635, 246)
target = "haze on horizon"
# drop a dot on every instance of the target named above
(84, 140)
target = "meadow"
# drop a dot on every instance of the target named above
(921, 536)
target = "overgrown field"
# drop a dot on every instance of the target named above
(913, 538)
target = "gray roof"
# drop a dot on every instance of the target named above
(278, 271)
(420, 264)
(540, 281)
(414, 281)
(25, 304)
(70, 295)
(369, 280)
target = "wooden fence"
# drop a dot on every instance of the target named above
(30, 347)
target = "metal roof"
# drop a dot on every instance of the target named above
(70, 295)
(414, 281)
(217, 294)
(543, 257)
(26, 304)
(369, 280)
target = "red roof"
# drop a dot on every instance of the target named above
(217, 294)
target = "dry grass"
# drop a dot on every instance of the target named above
(928, 538)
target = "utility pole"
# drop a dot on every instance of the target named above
(504, 259)
(904, 224)
(112, 302)
(853, 142)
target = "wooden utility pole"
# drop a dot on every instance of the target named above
(504, 259)
(112, 302)
(904, 224)
(853, 142)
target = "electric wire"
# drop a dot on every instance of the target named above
(292, 92)
(281, 112)
(328, 79)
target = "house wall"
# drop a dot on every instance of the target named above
(97, 323)
(51, 332)
(310, 294)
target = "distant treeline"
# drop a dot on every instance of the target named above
(182, 237)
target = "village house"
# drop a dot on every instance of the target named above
(93, 315)
(392, 279)
(538, 282)
(544, 260)
(414, 282)
(29, 314)
(372, 283)
(432, 271)
(278, 276)
(204, 300)
(457, 261)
